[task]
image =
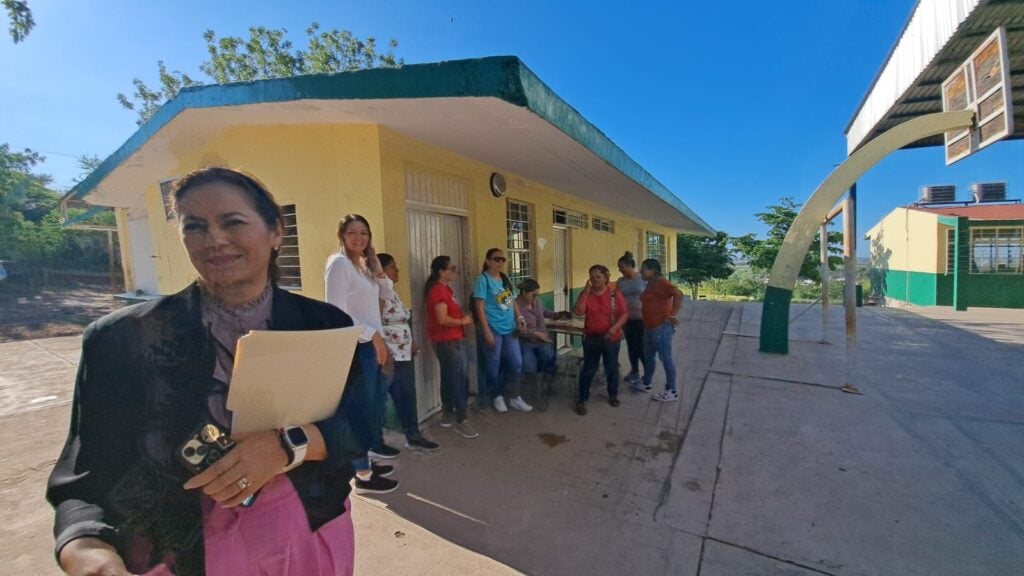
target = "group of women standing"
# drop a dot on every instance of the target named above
(642, 306)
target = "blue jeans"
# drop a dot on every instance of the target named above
(368, 411)
(503, 356)
(454, 377)
(538, 357)
(598, 349)
(402, 386)
(659, 341)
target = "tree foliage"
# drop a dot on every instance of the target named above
(30, 231)
(702, 258)
(21, 21)
(779, 217)
(267, 53)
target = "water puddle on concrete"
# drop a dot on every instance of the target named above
(552, 440)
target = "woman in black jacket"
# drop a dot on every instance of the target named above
(153, 373)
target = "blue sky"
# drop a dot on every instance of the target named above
(731, 105)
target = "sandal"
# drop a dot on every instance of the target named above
(581, 408)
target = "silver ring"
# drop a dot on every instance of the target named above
(243, 483)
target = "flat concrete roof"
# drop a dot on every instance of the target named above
(494, 110)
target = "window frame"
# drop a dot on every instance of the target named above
(290, 249)
(661, 247)
(990, 239)
(520, 231)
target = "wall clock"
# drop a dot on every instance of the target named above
(498, 185)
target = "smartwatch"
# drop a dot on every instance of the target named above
(295, 441)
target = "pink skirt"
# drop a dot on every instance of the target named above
(272, 537)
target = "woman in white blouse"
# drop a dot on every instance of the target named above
(355, 282)
(401, 382)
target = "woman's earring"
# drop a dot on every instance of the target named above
(277, 248)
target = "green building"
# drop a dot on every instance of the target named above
(961, 256)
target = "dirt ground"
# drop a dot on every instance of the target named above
(52, 311)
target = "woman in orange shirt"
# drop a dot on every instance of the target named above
(660, 302)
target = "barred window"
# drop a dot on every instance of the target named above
(950, 251)
(602, 225)
(165, 196)
(570, 218)
(288, 257)
(656, 249)
(520, 241)
(996, 250)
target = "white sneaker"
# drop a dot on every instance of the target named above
(519, 404)
(499, 404)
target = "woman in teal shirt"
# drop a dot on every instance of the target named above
(498, 315)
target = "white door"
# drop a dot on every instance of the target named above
(562, 286)
(433, 234)
(142, 256)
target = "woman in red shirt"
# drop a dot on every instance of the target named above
(660, 303)
(604, 311)
(445, 329)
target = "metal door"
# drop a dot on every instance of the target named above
(433, 234)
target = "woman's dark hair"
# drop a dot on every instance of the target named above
(372, 262)
(261, 198)
(602, 269)
(653, 265)
(528, 285)
(385, 259)
(627, 259)
(437, 265)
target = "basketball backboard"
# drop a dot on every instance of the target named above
(981, 84)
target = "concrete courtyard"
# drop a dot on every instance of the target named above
(765, 467)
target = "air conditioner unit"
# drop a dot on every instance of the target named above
(937, 194)
(989, 191)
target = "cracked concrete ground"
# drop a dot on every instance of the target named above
(764, 467)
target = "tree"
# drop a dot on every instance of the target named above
(267, 53)
(702, 258)
(779, 217)
(30, 231)
(21, 19)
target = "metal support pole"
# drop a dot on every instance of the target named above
(850, 289)
(824, 283)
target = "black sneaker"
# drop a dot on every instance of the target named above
(385, 452)
(376, 485)
(421, 443)
(614, 402)
(382, 470)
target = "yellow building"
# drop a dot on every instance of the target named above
(449, 158)
(960, 256)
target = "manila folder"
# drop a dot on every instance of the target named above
(289, 378)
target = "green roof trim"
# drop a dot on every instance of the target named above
(503, 77)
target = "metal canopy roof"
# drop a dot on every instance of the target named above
(939, 36)
(494, 110)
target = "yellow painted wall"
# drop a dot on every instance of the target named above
(488, 214)
(327, 171)
(906, 240)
